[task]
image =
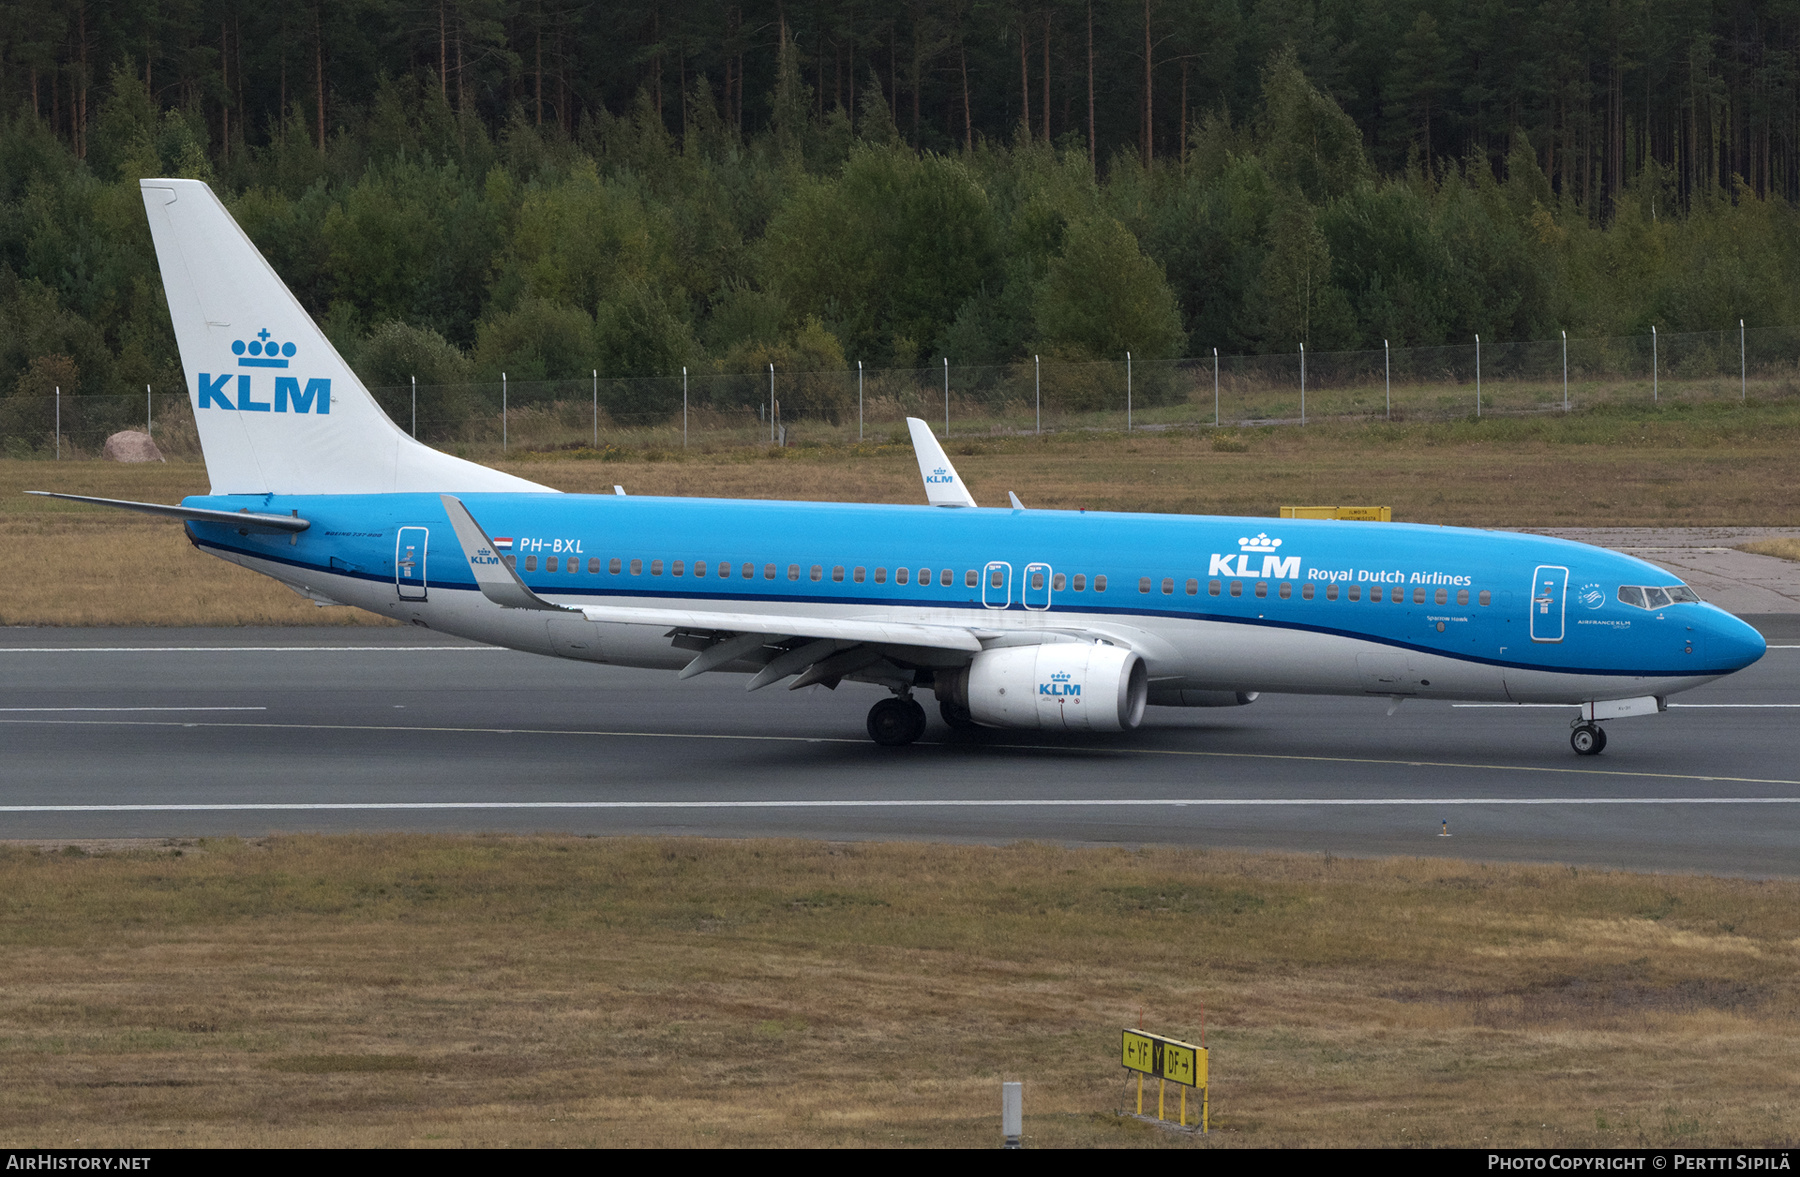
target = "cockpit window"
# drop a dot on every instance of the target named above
(1655, 597)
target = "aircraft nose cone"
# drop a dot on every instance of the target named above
(1733, 642)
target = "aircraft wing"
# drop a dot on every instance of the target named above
(944, 487)
(828, 647)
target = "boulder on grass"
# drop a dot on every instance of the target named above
(131, 446)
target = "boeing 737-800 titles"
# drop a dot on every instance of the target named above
(1013, 618)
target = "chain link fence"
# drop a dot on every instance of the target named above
(777, 408)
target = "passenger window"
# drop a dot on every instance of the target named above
(1331, 592)
(793, 572)
(1443, 596)
(513, 562)
(1356, 592)
(1058, 581)
(679, 568)
(1418, 596)
(1099, 584)
(817, 573)
(1374, 592)
(531, 563)
(1655, 597)
(859, 575)
(997, 578)
(656, 568)
(1193, 587)
(700, 567)
(881, 576)
(1462, 596)
(1286, 591)
(1262, 588)
(613, 566)
(924, 577)
(768, 571)
(1143, 584)
(749, 571)
(550, 563)
(1168, 586)
(1080, 582)
(1212, 588)
(1237, 588)
(1486, 597)
(594, 566)
(837, 574)
(1037, 581)
(900, 575)
(1306, 592)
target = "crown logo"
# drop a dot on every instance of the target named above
(262, 352)
(1060, 676)
(1260, 543)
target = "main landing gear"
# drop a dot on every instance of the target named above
(1588, 739)
(896, 722)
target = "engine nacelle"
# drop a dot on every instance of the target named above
(1067, 686)
(1183, 697)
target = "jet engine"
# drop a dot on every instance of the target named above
(1060, 686)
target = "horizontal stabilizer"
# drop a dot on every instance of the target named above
(496, 580)
(245, 520)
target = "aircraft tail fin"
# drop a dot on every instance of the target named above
(278, 410)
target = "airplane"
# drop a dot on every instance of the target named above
(1013, 618)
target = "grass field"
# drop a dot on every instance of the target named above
(1685, 465)
(398, 990)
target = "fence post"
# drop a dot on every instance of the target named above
(149, 416)
(1037, 387)
(1215, 388)
(415, 411)
(946, 396)
(1387, 374)
(1743, 368)
(58, 427)
(771, 404)
(859, 400)
(1302, 384)
(1565, 336)
(1478, 377)
(684, 406)
(1128, 392)
(503, 412)
(1655, 376)
(596, 372)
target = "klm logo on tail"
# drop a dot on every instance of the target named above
(264, 352)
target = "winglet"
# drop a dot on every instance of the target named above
(497, 582)
(1014, 500)
(943, 485)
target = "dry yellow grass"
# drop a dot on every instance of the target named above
(408, 990)
(1787, 549)
(77, 565)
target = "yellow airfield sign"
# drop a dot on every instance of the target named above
(1164, 1058)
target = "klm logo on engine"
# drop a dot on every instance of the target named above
(219, 392)
(1238, 563)
(1060, 686)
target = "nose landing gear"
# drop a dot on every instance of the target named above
(896, 722)
(1588, 739)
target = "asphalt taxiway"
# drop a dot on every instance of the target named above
(168, 733)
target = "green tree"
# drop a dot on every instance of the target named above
(1102, 298)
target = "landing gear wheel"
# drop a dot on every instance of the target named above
(957, 716)
(894, 723)
(1588, 739)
